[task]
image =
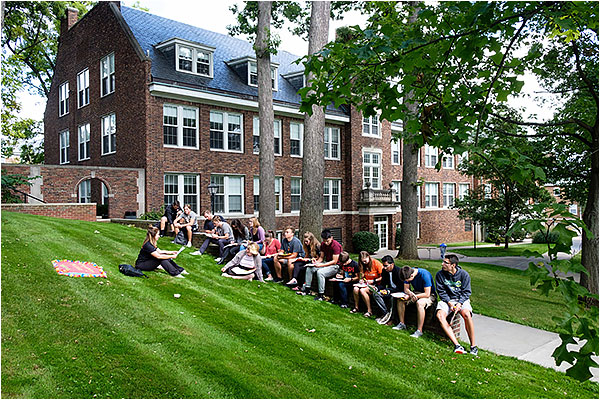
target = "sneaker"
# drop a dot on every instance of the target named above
(268, 278)
(160, 268)
(474, 350)
(319, 297)
(172, 241)
(189, 244)
(417, 334)
(178, 276)
(458, 349)
(292, 282)
(196, 253)
(301, 293)
(184, 272)
(343, 305)
(218, 260)
(400, 327)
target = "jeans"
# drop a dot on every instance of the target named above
(322, 274)
(342, 291)
(267, 266)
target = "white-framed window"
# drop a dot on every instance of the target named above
(371, 126)
(372, 169)
(463, 190)
(83, 135)
(395, 144)
(573, 209)
(397, 186)
(332, 194)
(63, 99)
(431, 156)
(432, 191)
(229, 198)
(226, 132)
(194, 59)
(448, 161)
(487, 190)
(109, 134)
(180, 126)
(448, 193)
(85, 191)
(295, 193)
(556, 192)
(63, 138)
(462, 157)
(419, 202)
(83, 88)
(278, 194)
(104, 194)
(381, 230)
(332, 143)
(183, 188)
(296, 139)
(256, 136)
(107, 75)
(253, 75)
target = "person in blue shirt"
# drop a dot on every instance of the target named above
(423, 296)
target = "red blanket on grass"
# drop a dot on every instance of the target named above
(78, 269)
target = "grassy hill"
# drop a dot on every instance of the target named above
(130, 337)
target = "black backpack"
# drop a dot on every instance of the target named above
(129, 270)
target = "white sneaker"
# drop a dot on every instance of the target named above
(218, 259)
(417, 334)
(184, 272)
(268, 278)
(293, 281)
(189, 244)
(178, 276)
(160, 268)
(196, 253)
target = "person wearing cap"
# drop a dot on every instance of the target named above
(246, 264)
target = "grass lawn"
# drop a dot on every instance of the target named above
(500, 251)
(130, 338)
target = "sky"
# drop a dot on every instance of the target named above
(215, 15)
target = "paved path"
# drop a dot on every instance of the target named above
(502, 337)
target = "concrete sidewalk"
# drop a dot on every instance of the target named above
(523, 342)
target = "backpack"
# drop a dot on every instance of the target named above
(180, 238)
(129, 270)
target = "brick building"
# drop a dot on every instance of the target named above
(134, 90)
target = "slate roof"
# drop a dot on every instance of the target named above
(150, 30)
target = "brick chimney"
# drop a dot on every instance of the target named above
(69, 19)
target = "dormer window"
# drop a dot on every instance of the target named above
(190, 57)
(246, 69)
(296, 79)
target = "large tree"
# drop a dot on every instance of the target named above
(313, 163)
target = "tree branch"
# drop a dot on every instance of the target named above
(583, 77)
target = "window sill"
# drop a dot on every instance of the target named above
(106, 94)
(108, 154)
(228, 151)
(83, 159)
(171, 146)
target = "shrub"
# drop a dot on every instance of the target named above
(154, 215)
(10, 185)
(365, 241)
(540, 237)
(397, 241)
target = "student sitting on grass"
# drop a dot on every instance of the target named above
(241, 236)
(171, 214)
(245, 265)
(188, 221)
(370, 274)
(423, 296)
(312, 249)
(324, 267)
(257, 232)
(291, 249)
(151, 257)
(348, 271)
(454, 288)
(270, 250)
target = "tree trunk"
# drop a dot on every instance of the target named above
(589, 244)
(313, 163)
(265, 116)
(409, 201)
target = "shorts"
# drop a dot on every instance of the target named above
(426, 301)
(442, 305)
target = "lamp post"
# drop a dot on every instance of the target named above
(212, 189)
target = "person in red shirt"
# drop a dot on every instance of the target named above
(270, 249)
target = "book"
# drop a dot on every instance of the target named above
(400, 295)
(180, 250)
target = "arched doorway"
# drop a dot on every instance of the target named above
(94, 190)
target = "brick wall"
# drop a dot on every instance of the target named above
(80, 211)
(60, 184)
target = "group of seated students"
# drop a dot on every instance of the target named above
(258, 254)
